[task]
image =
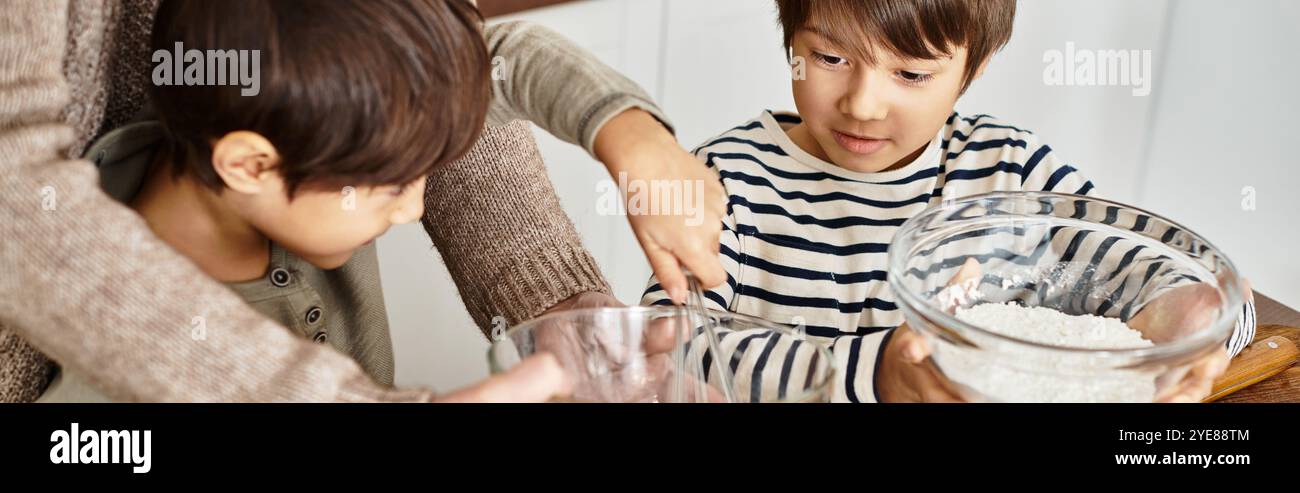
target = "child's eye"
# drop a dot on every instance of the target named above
(914, 78)
(830, 60)
(397, 191)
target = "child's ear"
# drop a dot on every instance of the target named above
(245, 161)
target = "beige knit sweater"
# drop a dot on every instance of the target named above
(84, 281)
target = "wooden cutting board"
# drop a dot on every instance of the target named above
(1265, 371)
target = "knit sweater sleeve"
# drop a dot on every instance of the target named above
(495, 219)
(494, 215)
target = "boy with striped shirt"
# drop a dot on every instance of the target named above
(815, 198)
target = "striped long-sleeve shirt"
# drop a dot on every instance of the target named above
(804, 242)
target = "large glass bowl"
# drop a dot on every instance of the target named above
(658, 354)
(1074, 254)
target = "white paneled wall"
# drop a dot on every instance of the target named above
(1227, 120)
(1217, 119)
(723, 65)
(1097, 129)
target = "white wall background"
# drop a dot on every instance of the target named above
(1219, 118)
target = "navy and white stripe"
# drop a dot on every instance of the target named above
(804, 242)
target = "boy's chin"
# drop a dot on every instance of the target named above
(328, 262)
(851, 161)
(856, 163)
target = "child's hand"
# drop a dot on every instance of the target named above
(908, 375)
(1174, 314)
(906, 372)
(638, 145)
(537, 378)
(1199, 380)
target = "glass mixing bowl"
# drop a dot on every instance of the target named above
(1075, 254)
(658, 354)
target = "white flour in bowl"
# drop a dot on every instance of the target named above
(1048, 326)
(988, 372)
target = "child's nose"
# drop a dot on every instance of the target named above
(865, 100)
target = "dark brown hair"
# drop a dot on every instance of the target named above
(361, 93)
(917, 29)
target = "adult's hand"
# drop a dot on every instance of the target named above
(635, 145)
